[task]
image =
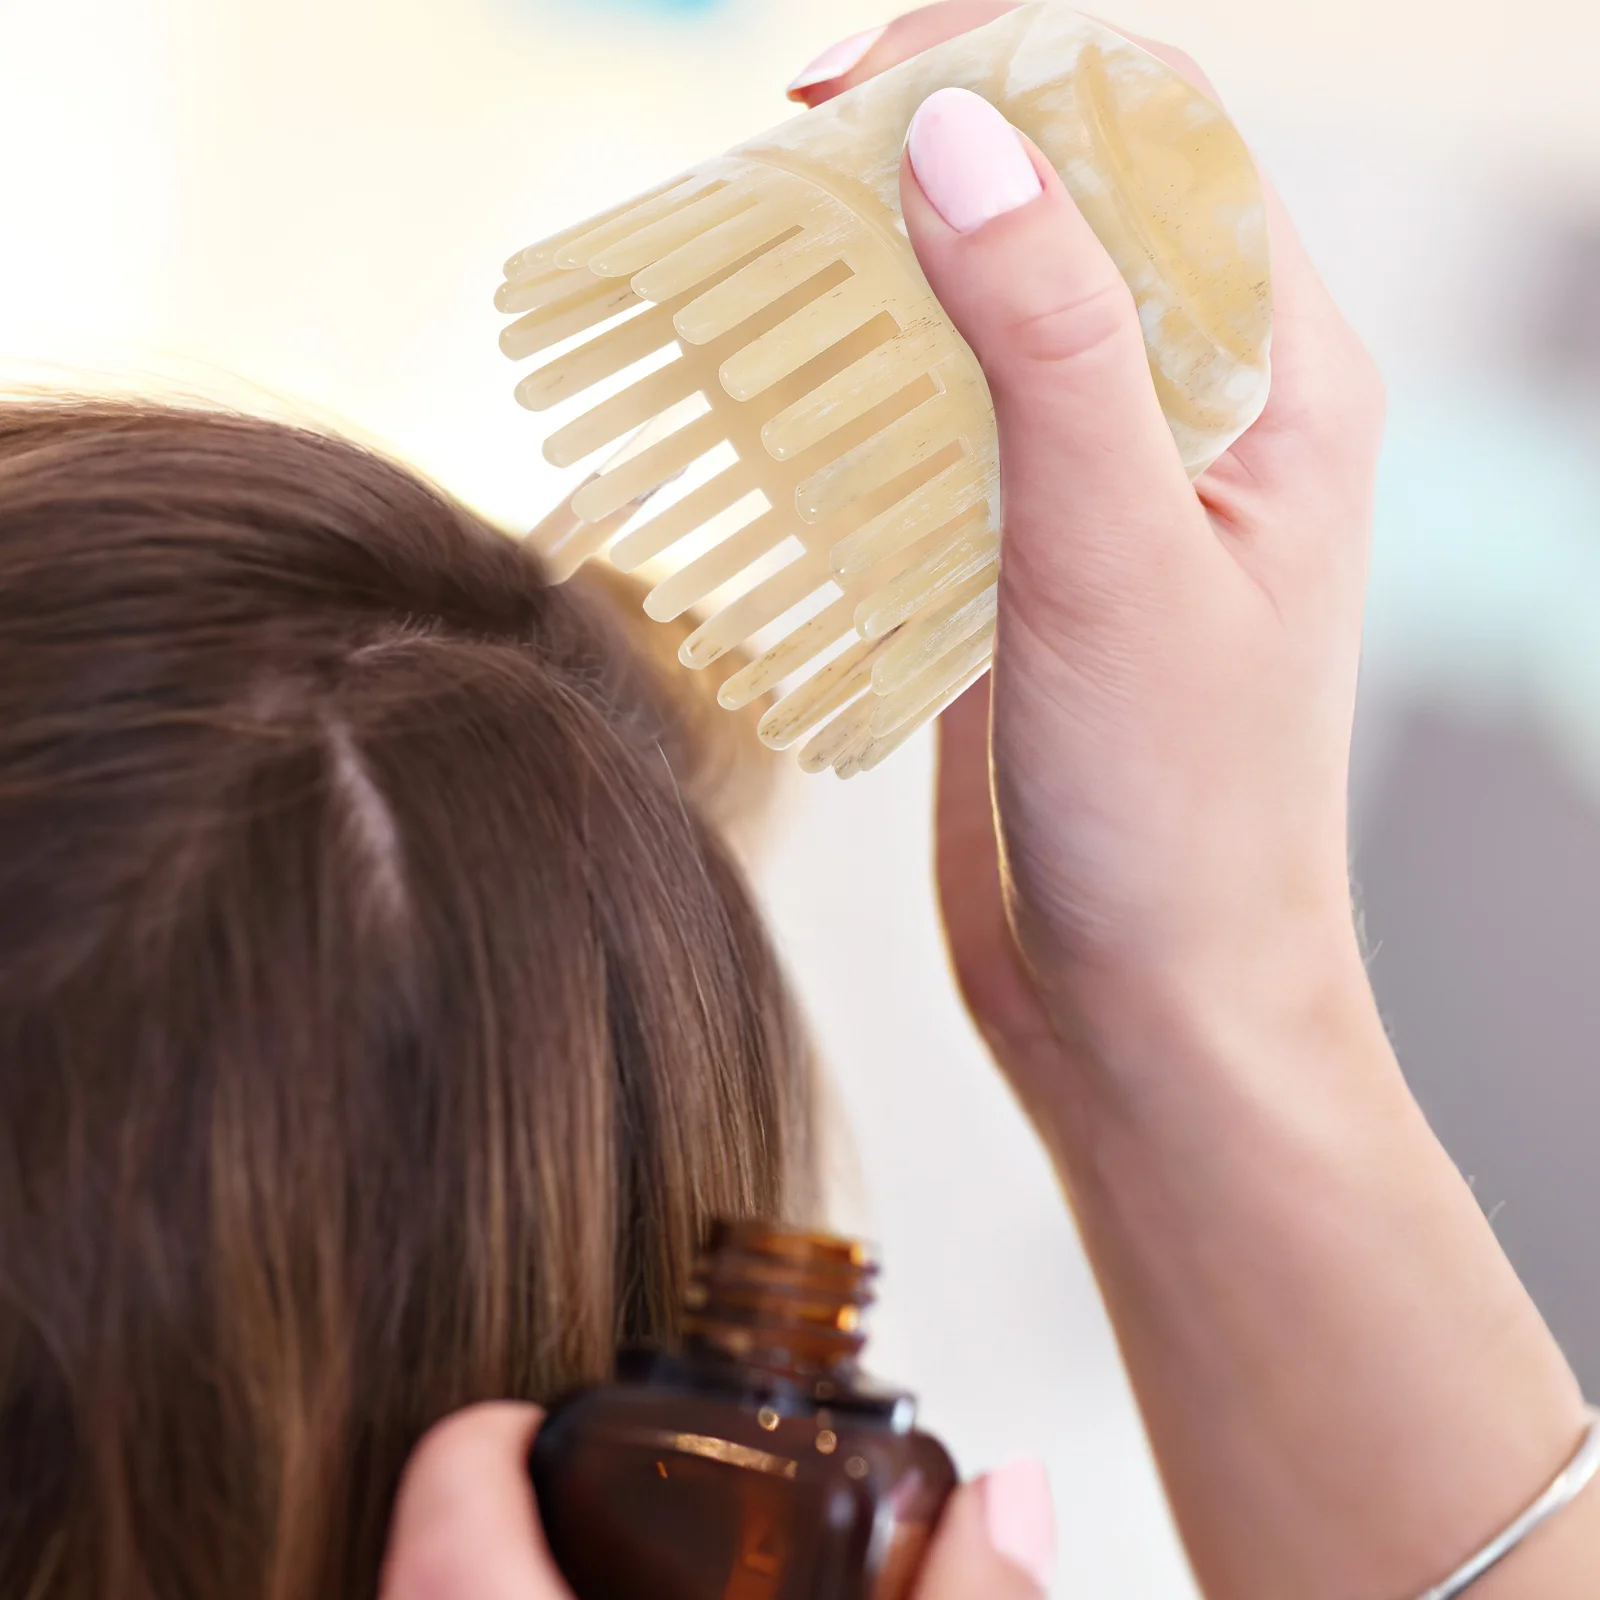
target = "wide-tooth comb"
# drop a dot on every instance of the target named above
(781, 347)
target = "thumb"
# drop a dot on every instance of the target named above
(996, 1539)
(1086, 456)
(465, 1526)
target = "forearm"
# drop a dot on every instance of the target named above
(1347, 1389)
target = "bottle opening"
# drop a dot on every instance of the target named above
(789, 1301)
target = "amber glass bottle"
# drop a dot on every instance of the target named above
(756, 1463)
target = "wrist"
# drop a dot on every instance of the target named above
(1291, 1018)
(1559, 1561)
(1318, 1320)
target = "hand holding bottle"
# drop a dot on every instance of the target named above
(466, 1527)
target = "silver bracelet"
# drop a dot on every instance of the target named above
(1569, 1483)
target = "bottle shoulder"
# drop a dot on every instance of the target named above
(741, 1415)
(651, 1431)
(699, 1376)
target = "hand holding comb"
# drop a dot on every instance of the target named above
(808, 459)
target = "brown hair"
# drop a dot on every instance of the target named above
(380, 1023)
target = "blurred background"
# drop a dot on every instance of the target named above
(303, 205)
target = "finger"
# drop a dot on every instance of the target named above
(465, 1526)
(995, 985)
(996, 1539)
(966, 848)
(1091, 481)
(965, 807)
(865, 55)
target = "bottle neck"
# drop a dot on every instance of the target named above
(790, 1304)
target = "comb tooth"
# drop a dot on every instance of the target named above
(566, 541)
(642, 249)
(922, 432)
(968, 550)
(528, 294)
(577, 250)
(789, 654)
(752, 611)
(753, 287)
(621, 414)
(724, 561)
(800, 337)
(877, 750)
(867, 754)
(648, 470)
(551, 324)
(894, 710)
(798, 647)
(540, 255)
(661, 532)
(718, 247)
(828, 690)
(962, 485)
(848, 731)
(531, 258)
(865, 383)
(602, 357)
(925, 639)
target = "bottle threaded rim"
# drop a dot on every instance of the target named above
(790, 1300)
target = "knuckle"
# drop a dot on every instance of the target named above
(1338, 401)
(447, 1456)
(1370, 391)
(1353, 396)
(1055, 333)
(448, 1443)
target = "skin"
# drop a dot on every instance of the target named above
(1141, 841)
(1147, 902)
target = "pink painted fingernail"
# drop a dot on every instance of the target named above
(969, 159)
(835, 61)
(1021, 1518)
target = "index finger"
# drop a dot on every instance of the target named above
(465, 1526)
(906, 36)
(915, 31)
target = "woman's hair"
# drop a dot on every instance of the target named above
(380, 1022)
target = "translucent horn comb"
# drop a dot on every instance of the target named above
(804, 448)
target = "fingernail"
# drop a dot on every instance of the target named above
(1021, 1518)
(969, 159)
(835, 61)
